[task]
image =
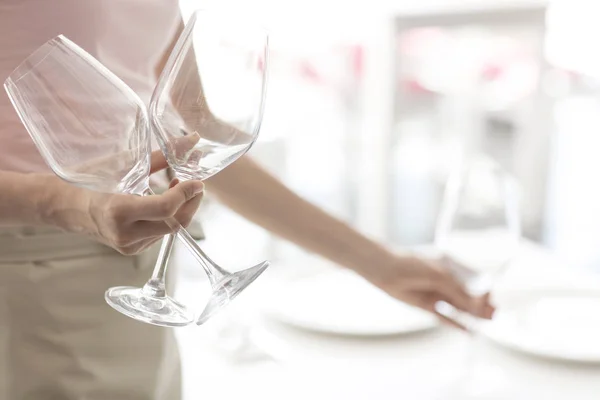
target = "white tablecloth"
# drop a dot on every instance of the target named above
(420, 366)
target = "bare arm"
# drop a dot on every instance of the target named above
(252, 192)
(127, 223)
(24, 197)
(257, 195)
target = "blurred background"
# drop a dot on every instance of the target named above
(369, 103)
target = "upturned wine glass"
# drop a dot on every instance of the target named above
(210, 97)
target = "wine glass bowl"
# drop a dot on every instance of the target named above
(72, 106)
(206, 112)
(478, 231)
(213, 90)
(478, 227)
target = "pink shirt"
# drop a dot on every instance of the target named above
(127, 36)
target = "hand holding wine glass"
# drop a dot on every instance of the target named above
(478, 233)
(478, 229)
(128, 223)
(94, 132)
(424, 282)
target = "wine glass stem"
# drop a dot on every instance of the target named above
(474, 327)
(155, 287)
(215, 273)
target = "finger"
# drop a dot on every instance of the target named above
(152, 228)
(443, 287)
(150, 242)
(186, 213)
(194, 157)
(140, 246)
(181, 145)
(450, 284)
(449, 321)
(188, 210)
(479, 306)
(442, 311)
(157, 161)
(489, 309)
(178, 146)
(483, 308)
(111, 162)
(454, 291)
(163, 206)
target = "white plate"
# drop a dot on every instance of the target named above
(340, 302)
(558, 324)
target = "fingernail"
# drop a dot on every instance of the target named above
(489, 312)
(198, 188)
(173, 183)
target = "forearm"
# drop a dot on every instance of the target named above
(35, 199)
(22, 197)
(252, 192)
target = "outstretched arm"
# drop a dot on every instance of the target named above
(257, 195)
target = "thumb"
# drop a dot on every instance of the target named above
(160, 207)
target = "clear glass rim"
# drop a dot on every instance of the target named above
(182, 43)
(41, 53)
(33, 60)
(29, 64)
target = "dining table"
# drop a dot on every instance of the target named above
(247, 353)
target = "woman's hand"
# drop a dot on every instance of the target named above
(423, 283)
(125, 222)
(131, 223)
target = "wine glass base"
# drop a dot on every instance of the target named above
(134, 303)
(228, 289)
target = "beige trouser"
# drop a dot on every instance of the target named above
(58, 337)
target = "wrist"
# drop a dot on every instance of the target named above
(370, 261)
(62, 205)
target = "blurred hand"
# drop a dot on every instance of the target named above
(125, 222)
(424, 283)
